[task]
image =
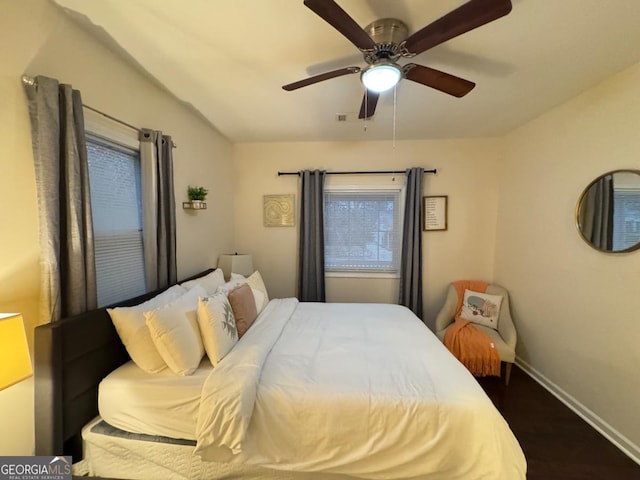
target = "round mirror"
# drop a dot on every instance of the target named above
(608, 212)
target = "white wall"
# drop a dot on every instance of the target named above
(36, 38)
(576, 309)
(467, 173)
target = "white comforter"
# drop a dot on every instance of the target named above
(359, 389)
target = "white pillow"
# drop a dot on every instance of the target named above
(175, 332)
(481, 308)
(209, 282)
(134, 334)
(236, 281)
(217, 325)
(256, 283)
(237, 277)
(258, 296)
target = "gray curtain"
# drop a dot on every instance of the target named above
(158, 209)
(596, 213)
(411, 260)
(64, 201)
(311, 286)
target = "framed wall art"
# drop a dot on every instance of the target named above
(434, 211)
(279, 210)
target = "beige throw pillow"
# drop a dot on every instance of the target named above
(244, 307)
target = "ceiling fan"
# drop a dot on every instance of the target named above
(383, 42)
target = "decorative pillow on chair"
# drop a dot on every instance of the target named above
(217, 325)
(481, 308)
(175, 332)
(244, 307)
(131, 327)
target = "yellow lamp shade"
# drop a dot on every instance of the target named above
(15, 362)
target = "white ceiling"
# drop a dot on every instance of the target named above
(230, 58)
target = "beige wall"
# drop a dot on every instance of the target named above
(511, 209)
(37, 39)
(467, 173)
(576, 309)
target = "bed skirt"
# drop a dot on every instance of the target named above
(113, 453)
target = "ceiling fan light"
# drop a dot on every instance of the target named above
(379, 78)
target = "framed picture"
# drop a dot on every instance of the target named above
(434, 212)
(278, 210)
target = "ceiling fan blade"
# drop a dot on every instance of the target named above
(456, 86)
(320, 78)
(333, 14)
(472, 14)
(369, 102)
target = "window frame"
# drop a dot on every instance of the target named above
(624, 197)
(364, 189)
(110, 134)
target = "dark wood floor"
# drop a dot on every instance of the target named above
(558, 444)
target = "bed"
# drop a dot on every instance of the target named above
(311, 391)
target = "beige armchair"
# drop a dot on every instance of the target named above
(504, 338)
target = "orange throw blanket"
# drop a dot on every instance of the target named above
(472, 347)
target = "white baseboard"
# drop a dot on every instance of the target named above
(623, 443)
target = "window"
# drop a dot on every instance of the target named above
(363, 230)
(626, 218)
(116, 202)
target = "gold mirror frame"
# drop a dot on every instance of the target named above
(592, 194)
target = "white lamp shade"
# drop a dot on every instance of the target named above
(15, 362)
(379, 78)
(236, 263)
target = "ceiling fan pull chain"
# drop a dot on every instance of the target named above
(395, 102)
(366, 104)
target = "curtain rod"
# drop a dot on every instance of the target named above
(27, 80)
(363, 172)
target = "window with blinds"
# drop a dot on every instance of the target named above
(116, 202)
(363, 230)
(626, 218)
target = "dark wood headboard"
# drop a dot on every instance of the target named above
(72, 356)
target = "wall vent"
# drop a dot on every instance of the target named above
(350, 117)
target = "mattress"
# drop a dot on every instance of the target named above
(112, 453)
(162, 404)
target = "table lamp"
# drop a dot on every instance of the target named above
(236, 263)
(15, 362)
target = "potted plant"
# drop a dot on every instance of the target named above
(197, 195)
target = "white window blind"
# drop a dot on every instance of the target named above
(116, 202)
(363, 230)
(626, 218)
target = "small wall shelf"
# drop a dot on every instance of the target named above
(194, 205)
